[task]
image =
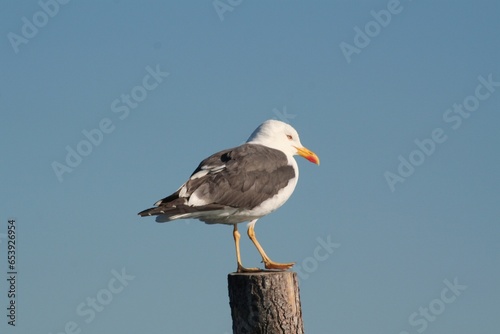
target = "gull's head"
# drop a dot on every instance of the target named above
(283, 137)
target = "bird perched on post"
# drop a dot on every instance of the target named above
(241, 184)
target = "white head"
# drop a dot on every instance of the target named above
(283, 137)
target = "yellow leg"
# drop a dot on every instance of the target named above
(236, 236)
(269, 264)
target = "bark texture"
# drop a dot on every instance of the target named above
(265, 303)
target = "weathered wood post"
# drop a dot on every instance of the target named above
(265, 303)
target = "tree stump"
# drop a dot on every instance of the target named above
(265, 303)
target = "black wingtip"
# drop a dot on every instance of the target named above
(145, 213)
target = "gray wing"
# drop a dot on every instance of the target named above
(240, 177)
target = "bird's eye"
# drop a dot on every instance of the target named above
(289, 137)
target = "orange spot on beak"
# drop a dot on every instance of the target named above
(309, 155)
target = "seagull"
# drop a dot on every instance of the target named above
(241, 184)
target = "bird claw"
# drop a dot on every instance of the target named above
(279, 266)
(242, 269)
(268, 265)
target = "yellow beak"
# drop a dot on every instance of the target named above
(309, 155)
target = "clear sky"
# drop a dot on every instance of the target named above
(108, 106)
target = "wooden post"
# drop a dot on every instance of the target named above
(265, 303)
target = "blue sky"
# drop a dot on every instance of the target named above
(395, 232)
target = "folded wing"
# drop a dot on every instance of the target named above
(240, 178)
